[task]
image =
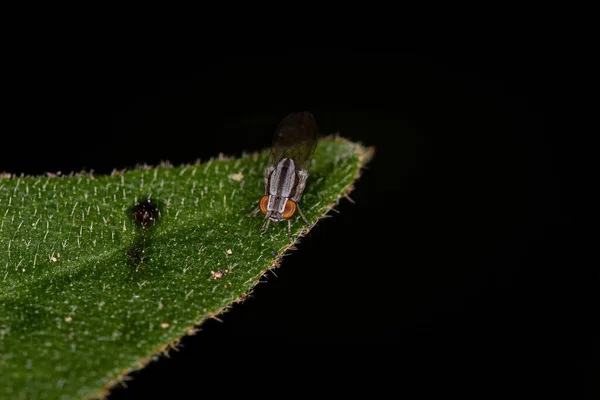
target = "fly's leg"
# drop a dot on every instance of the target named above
(265, 228)
(290, 228)
(302, 215)
(253, 212)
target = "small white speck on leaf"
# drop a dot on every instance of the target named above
(219, 274)
(238, 177)
(164, 325)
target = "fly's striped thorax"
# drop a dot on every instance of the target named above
(283, 179)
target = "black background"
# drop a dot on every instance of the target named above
(449, 271)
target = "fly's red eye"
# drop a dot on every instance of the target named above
(263, 203)
(290, 209)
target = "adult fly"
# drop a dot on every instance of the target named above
(286, 172)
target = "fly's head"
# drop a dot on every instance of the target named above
(277, 208)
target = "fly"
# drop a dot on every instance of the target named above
(286, 172)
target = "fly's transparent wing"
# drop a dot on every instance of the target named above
(296, 138)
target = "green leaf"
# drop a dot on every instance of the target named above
(89, 292)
